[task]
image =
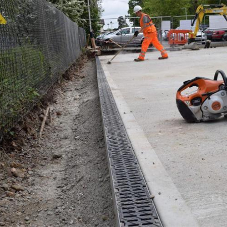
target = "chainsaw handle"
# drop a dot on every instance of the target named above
(222, 74)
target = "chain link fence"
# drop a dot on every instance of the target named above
(37, 45)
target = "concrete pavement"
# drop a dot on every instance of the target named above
(184, 164)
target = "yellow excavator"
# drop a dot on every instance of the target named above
(200, 12)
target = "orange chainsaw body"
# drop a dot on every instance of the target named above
(207, 102)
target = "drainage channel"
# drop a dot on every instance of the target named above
(133, 203)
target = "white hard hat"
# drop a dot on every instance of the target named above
(137, 9)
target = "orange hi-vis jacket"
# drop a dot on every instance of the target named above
(150, 36)
(148, 27)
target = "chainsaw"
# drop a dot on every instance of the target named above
(203, 99)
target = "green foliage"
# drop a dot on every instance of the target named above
(132, 4)
(22, 71)
(71, 8)
(95, 10)
(170, 7)
(165, 7)
(77, 10)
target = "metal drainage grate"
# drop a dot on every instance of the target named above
(133, 203)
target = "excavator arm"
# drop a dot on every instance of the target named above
(200, 12)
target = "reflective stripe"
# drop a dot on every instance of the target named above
(164, 54)
(149, 25)
(163, 50)
(142, 55)
(143, 52)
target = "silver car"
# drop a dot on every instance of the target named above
(123, 35)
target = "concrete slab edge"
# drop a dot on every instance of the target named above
(170, 205)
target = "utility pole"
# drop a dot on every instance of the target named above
(89, 15)
(91, 32)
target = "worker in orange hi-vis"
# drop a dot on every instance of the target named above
(150, 35)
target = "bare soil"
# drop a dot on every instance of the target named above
(62, 178)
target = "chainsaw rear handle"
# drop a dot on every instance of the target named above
(216, 78)
(223, 76)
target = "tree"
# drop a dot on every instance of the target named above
(165, 7)
(121, 22)
(95, 10)
(169, 7)
(77, 10)
(132, 4)
(71, 8)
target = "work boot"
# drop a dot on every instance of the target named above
(163, 57)
(138, 59)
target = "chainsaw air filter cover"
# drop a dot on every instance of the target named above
(203, 99)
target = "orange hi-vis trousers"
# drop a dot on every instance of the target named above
(148, 39)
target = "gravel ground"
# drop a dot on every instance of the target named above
(61, 179)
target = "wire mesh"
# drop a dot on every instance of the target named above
(37, 45)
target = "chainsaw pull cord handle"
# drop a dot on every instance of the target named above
(223, 76)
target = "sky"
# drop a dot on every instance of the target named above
(112, 10)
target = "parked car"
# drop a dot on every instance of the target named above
(215, 35)
(225, 37)
(200, 36)
(123, 35)
(99, 39)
